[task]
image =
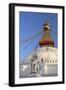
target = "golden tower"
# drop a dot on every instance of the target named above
(46, 39)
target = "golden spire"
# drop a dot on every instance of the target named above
(46, 39)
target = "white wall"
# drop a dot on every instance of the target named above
(4, 44)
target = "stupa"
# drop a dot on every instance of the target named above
(44, 60)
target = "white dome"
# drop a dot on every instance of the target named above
(49, 55)
(49, 65)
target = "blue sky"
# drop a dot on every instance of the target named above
(31, 23)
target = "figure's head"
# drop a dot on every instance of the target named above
(42, 60)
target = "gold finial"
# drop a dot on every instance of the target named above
(46, 26)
